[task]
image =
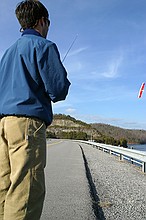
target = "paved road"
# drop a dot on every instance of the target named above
(68, 195)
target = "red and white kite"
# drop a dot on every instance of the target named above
(141, 90)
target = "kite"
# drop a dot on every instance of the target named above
(141, 90)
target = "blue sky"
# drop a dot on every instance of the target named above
(107, 62)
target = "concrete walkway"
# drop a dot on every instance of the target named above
(68, 195)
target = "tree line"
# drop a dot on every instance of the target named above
(80, 135)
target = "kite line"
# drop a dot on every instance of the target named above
(69, 48)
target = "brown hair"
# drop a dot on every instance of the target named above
(28, 13)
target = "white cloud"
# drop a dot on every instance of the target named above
(82, 69)
(77, 51)
(74, 67)
(70, 110)
(119, 122)
(113, 68)
(74, 53)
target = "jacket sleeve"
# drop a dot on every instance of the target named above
(53, 73)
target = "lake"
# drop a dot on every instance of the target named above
(141, 147)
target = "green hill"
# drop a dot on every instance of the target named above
(65, 126)
(131, 135)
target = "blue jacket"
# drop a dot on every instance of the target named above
(31, 76)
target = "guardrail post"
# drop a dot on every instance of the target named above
(144, 167)
(121, 157)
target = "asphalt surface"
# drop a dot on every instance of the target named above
(68, 193)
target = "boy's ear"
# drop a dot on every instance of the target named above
(41, 21)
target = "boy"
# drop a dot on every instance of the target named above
(32, 76)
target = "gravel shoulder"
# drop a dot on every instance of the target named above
(121, 187)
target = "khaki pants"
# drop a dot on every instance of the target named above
(22, 162)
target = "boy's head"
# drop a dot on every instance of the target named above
(29, 12)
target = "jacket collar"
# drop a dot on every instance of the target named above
(31, 31)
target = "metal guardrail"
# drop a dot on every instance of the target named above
(135, 156)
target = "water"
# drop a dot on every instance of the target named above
(141, 147)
